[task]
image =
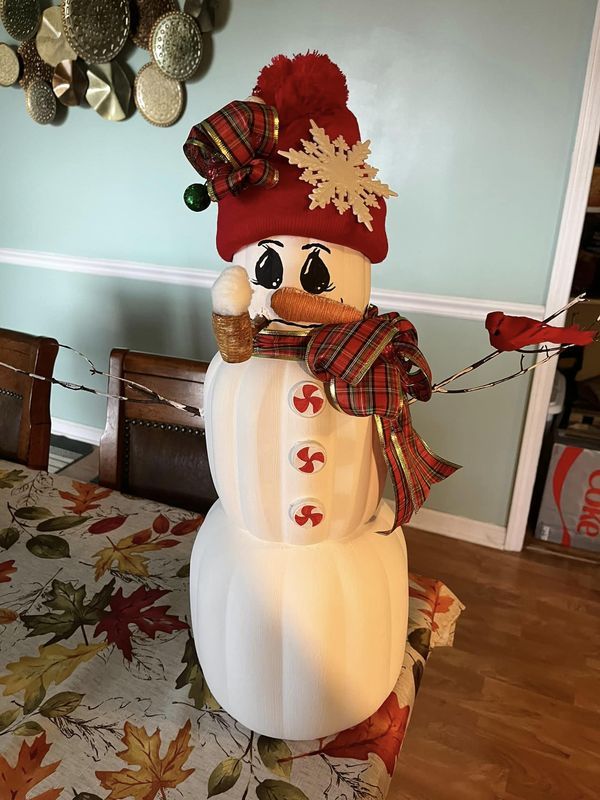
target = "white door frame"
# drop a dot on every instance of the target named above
(567, 247)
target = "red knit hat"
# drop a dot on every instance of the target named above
(260, 193)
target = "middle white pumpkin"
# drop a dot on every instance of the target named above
(275, 442)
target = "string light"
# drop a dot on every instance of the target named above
(77, 387)
(438, 388)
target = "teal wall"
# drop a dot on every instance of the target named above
(472, 108)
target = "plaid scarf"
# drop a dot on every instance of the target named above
(231, 147)
(369, 368)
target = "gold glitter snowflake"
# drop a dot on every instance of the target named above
(340, 174)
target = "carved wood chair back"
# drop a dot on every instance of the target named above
(150, 449)
(25, 402)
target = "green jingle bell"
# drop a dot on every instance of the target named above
(196, 197)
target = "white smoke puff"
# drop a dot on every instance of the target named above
(232, 292)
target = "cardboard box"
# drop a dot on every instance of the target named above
(570, 510)
(584, 422)
(585, 315)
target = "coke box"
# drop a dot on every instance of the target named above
(570, 511)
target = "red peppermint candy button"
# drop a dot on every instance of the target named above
(307, 457)
(307, 399)
(307, 513)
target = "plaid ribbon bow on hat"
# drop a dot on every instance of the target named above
(231, 148)
(369, 368)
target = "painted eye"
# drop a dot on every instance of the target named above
(314, 275)
(269, 270)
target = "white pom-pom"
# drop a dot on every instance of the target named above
(232, 292)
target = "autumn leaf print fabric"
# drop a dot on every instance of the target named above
(101, 693)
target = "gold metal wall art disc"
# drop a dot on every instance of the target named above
(144, 13)
(159, 98)
(40, 101)
(193, 8)
(176, 45)
(96, 29)
(70, 82)
(33, 64)
(109, 91)
(21, 18)
(51, 41)
(10, 66)
(203, 11)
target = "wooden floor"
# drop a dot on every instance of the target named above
(512, 712)
(84, 469)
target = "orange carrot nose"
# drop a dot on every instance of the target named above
(295, 305)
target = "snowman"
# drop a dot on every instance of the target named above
(298, 579)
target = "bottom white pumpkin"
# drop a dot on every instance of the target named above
(299, 641)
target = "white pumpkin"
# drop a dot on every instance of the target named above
(299, 641)
(299, 606)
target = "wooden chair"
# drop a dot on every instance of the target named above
(25, 402)
(150, 449)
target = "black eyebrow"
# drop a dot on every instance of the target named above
(270, 241)
(316, 244)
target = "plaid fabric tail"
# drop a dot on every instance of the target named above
(231, 148)
(412, 466)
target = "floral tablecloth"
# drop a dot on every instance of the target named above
(101, 694)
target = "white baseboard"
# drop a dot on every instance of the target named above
(468, 530)
(74, 430)
(472, 308)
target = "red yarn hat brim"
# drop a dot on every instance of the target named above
(258, 213)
